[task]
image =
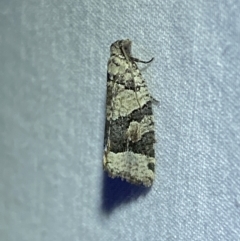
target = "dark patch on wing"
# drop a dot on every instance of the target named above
(145, 145)
(151, 166)
(118, 137)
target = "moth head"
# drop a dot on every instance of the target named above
(121, 47)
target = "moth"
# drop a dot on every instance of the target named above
(129, 129)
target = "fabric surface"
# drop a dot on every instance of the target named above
(52, 112)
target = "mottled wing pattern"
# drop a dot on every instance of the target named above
(129, 132)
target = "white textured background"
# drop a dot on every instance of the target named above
(53, 59)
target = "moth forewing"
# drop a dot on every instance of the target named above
(129, 133)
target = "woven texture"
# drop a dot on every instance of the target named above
(52, 104)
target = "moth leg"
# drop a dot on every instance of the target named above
(155, 101)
